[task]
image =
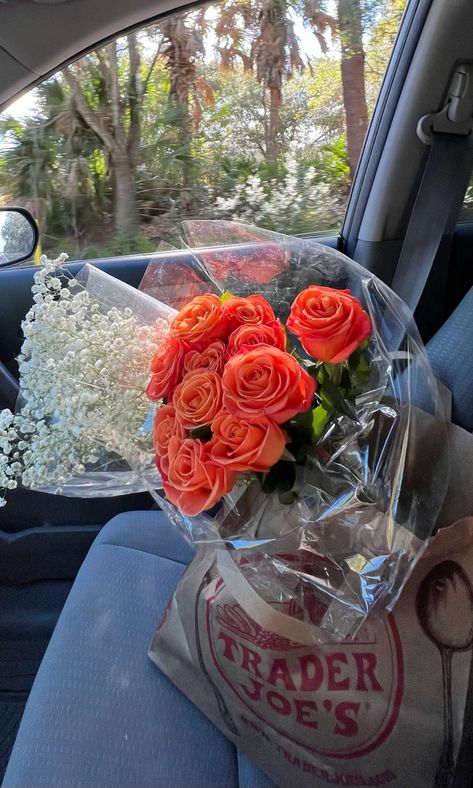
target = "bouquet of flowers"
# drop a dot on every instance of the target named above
(292, 394)
(274, 398)
(237, 397)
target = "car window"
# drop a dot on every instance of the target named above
(466, 213)
(247, 109)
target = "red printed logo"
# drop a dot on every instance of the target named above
(340, 700)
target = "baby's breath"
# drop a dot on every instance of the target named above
(83, 372)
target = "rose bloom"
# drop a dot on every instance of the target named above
(266, 381)
(210, 357)
(330, 323)
(194, 483)
(201, 320)
(166, 425)
(246, 444)
(166, 367)
(241, 311)
(260, 334)
(198, 399)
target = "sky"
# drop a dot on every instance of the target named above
(23, 106)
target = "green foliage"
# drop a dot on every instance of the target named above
(203, 129)
(119, 246)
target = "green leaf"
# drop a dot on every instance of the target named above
(332, 398)
(313, 370)
(354, 359)
(225, 296)
(301, 420)
(204, 433)
(360, 379)
(320, 418)
(288, 496)
(285, 477)
(345, 380)
(281, 476)
(360, 367)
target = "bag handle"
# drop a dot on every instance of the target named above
(261, 612)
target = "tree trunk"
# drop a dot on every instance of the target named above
(274, 118)
(353, 78)
(125, 210)
(121, 147)
(185, 146)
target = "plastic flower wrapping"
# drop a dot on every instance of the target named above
(284, 395)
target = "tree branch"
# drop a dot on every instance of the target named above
(150, 71)
(135, 93)
(90, 116)
(104, 70)
(117, 113)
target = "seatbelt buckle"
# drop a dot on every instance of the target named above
(456, 117)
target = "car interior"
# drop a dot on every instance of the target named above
(84, 582)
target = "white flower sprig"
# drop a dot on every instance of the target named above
(84, 369)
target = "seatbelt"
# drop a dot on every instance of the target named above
(449, 133)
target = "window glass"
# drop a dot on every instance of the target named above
(247, 109)
(466, 214)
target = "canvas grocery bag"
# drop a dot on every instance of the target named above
(385, 708)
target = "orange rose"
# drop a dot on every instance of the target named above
(211, 358)
(166, 425)
(329, 323)
(266, 381)
(246, 444)
(194, 483)
(200, 320)
(197, 399)
(166, 367)
(240, 311)
(260, 334)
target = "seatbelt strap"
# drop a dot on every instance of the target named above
(436, 208)
(443, 186)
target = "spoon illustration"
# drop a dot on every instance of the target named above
(444, 607)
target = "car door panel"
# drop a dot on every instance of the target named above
(16, 294)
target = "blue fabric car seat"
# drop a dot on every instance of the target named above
(100, 713)
(451, 355)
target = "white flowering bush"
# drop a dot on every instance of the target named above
(289, 205)
(84, 368)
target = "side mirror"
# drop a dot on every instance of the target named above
(18, 235)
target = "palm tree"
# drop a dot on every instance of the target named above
(235, 28)
(49, 165)
(107, 90)
(353, 78)
(276, 55)
(183, 37)
(261, 34)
